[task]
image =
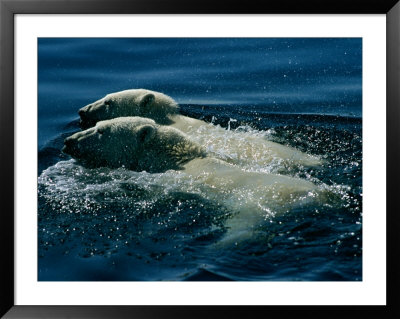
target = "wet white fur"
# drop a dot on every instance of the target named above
(246, 149)
(141, 144)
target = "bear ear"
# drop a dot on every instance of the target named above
(145, 133)
(146, 99)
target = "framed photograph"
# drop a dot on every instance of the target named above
(187, 160)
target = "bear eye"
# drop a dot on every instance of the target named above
(100, 131)
(107, 102)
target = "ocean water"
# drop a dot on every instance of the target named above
(107, 224)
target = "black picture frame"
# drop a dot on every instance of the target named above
(8, 10)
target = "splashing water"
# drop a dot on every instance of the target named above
(151, 218)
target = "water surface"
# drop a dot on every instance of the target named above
(115, 224)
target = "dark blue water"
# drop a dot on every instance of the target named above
(103, 224)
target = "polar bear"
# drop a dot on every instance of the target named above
(134, 102)
(142, 145)
(235, 147)
(135, 143)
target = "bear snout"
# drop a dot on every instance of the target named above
(69, 141)
(70, 146)
(82, 112)
(85, 121)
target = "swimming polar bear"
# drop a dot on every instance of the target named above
(142, 145)
(244, 148)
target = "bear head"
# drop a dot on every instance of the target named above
(135, 102)
(134, 143)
